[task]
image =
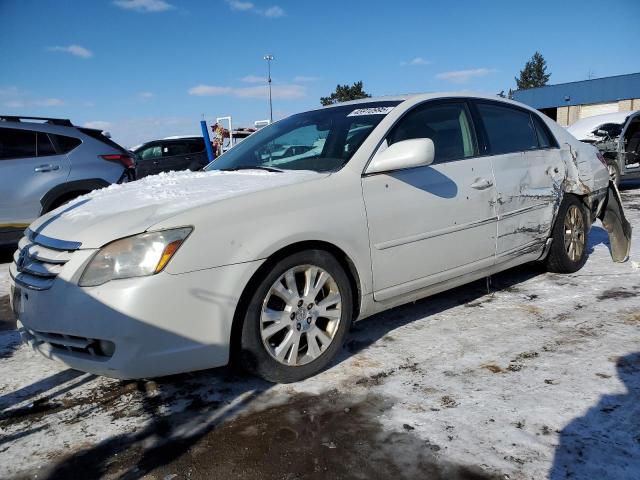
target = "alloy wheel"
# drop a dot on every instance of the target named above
(574, 233)
(300, 315)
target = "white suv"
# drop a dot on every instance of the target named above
(271, 259)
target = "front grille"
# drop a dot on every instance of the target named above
(90, 347)
(39, 260)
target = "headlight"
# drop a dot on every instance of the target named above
(137, 256)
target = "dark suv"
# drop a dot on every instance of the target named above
(45, 162)
(172, 153)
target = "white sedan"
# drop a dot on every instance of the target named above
(271, 263)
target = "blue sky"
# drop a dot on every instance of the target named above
(145, 69)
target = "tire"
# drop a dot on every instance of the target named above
(614, 172)
(280, 327)
(568, 251)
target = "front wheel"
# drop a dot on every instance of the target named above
(297, 318)
(569, 245)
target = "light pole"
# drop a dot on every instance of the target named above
(268, 58)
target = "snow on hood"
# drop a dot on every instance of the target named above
(125, 209)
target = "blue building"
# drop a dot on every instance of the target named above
(569, 102)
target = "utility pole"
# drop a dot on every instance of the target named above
(268, 58)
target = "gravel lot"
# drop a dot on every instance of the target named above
(538, 378)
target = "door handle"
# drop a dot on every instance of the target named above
(46, 168)
(482, 183)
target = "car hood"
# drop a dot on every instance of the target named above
(127, 209)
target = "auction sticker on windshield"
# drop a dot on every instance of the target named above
(370, 111)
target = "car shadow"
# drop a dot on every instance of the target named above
(370, 330)
(180, 411)
(605, 442)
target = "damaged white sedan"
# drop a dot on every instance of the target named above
(270, 258)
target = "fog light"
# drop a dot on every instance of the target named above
(106, 348)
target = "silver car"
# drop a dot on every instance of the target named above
(46, 162)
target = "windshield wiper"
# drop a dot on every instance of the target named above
(251, 167)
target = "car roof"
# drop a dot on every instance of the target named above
(181, 137)
(418, 97)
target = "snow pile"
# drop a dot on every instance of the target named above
(176, 191)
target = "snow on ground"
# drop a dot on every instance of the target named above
(539, 378)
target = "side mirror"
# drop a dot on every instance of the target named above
(601, 133)
(417, 152)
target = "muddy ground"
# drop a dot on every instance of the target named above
(537, 377)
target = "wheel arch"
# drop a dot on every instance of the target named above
(70, 190)
(340, 255)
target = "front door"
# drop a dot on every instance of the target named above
(432, 223)
(29, 168)
(528, 170)
(148, 160)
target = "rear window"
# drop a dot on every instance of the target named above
(45, 147)
(66, 144)
(17, 143)
(97, 134)
(508, 129)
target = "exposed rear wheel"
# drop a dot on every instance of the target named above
(568, 248)
(297, 319)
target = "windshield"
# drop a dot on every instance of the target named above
(321, 140)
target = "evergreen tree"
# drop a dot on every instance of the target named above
(534, 74)
(345, 93)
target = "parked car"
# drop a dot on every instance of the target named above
(272, 264)
(617, 136)
(170, 154)
(44, 165)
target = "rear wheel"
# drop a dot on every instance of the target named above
(569, 245)
(298, 317)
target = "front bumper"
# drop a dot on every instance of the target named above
(160, 325)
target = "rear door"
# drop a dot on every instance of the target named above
(528, 169)
(432, 223)
(175, 155)
(30, 166)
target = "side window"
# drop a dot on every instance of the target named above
(150, 152)
(66, 144)
(447, 124)
(17, 143)
(508, 129)
(196, 146)
(45, 147)
(176, 148)
(545, 140)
